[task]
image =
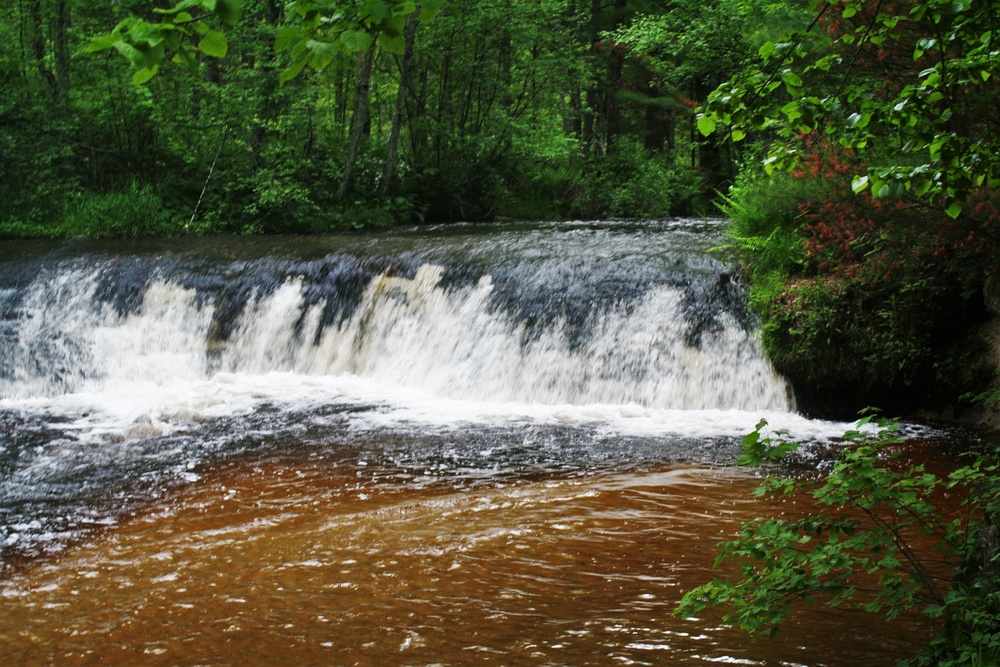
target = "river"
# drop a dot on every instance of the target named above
(472, 444)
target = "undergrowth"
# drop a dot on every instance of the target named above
(859, 549)
(863, 298)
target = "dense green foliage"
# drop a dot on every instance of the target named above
(866, 218)
(261, 116)
(865, 546)
(869, 248)
(910, 84)
(862, 300)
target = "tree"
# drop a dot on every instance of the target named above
(689, 50)
(909, 86)
(236, 115)
(359, 119)
(405, 72)
(322, 30)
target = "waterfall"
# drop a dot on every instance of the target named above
(673, 339)
(472, 353)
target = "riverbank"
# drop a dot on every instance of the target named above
(867, 302)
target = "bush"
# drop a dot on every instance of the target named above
(859, 551)
(543, 191)
(368, 213)
(764, 213)
(861, 299)
(631, 182)
(134, 212)
(628, 184)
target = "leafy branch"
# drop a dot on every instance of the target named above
(318, 30)
(860, 553)
(922, 117)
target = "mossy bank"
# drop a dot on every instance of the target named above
(869, 301)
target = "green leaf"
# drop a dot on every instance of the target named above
(306, 9)
(392, 43)
(293, 71)
(229, 12)
(406, 8)
(393, 26)
(765, 49)
(152, 54)
(923, 187)
(132, 54)
(356, 40)
(859, 184)
(144, 75)
(706, 125)
(954, 209)
(179, 7)
(860, 121)
(102, 43)
(322, 54)
(379, 9)
(792, 79)
(287, 37)
(214, 44)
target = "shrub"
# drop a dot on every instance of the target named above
(133, 212)
(631, 182)
(764, 213)
(862, 299)
(130, 213)
(859, 550)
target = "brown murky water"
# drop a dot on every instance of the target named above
(296, 562)
(461, 445)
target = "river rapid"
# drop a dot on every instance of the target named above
(455, 445)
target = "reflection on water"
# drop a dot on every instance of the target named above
(286, 561)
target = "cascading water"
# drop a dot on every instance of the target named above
(127, 366)
(661, 337)
(429, 438)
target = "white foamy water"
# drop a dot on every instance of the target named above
(423, 353)
(411, 355)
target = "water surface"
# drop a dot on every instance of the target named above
(459, 445)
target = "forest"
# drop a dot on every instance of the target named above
(543, 110)
(853, 145)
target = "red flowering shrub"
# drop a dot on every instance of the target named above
(885, 291)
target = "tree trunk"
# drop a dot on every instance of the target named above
(359, 121)
(613, 127)
(659, 125)
(392, 150)
(60, 51)
(574, 124)
(590, 138)
(264, 59)
(989, 552)
(33, 38)
(616, 69)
